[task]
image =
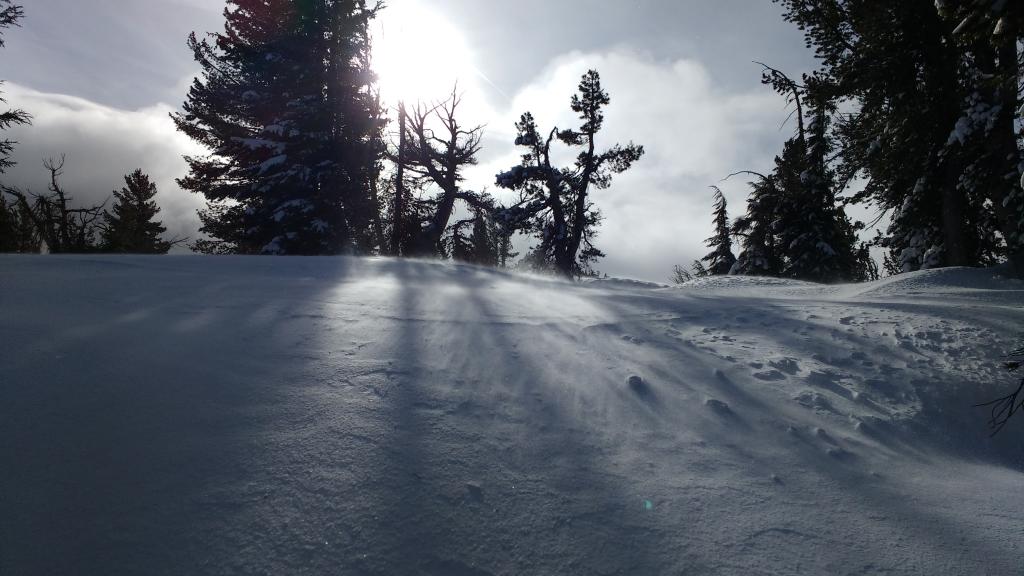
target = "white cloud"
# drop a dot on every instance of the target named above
(102, 144)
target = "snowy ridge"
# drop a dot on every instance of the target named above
(318, 416)
(752, 284)
(964, 282)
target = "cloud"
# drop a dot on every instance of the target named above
(101, 145)
(694, 132)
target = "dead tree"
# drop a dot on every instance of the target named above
(434, 150)
(64, 229)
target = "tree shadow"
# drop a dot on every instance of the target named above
(383, 417)
(138, 425)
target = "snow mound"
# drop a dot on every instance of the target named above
(748, 284)
(231, 415)
(622, 283)
(964, 282)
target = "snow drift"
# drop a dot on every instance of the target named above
(193, 415)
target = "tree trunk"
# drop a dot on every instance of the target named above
(953, 237)
(1004, 191)
(399, 208)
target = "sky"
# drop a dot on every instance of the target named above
(101, 82)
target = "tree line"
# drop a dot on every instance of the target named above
(913, 101)
(300, 163)
(917, 100)
(31, 221)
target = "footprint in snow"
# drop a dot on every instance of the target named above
(638, 385)
(475, 490)
(787, 365)
(822, 434)
(839, 453)
(770, 376)
(830, 381)
(814, 401)
(718, 407)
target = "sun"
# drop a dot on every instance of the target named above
(418, 55)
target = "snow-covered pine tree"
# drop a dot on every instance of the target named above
(130, 226)
(285, 104)
(721, 259)
(759, 254)
(556, 206)
(902, 127)
(356, 118)
(990, 35)
(502, 237)
(795, 226)
(484, 240)
(819, 240)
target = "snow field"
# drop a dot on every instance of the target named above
(232, 415)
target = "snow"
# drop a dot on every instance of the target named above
(962, 26)
(301, 205)
(232, 415)
(1002, 26)
(260, 143)
(272, 162)
(274, 246)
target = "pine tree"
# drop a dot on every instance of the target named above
(556, 205)
(932, 129)
(18, 233)
(458, 245)
(989, 35)
(681, 275)
(481, 246)
(721, 260)
(285, 104)
(130, 228)
(485, 243)
(16, 230)
(10, 15)
(759, 254)
(504, 248)
(820, 240)
(357, 120)
(796, 226)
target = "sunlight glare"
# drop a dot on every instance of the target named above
(418, 54)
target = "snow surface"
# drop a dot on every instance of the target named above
(195, 415)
